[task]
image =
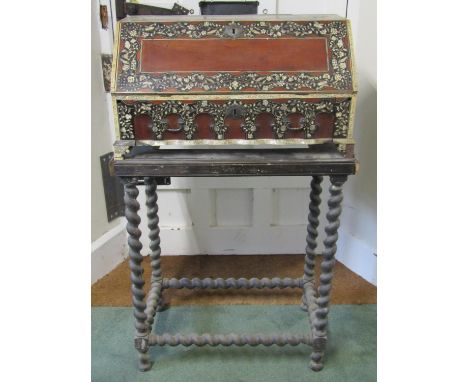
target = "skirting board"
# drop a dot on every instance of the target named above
(352, 252)
(108, 251)
(111, 248)
(357, 256)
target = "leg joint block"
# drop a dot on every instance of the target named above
(142, 344)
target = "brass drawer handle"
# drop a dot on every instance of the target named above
(288, 124)
(180, 123)
(294, 128)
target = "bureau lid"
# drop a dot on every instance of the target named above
(233, 54)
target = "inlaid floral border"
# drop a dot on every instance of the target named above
(129, 80)
(187, 112)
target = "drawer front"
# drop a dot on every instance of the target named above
(246, 121)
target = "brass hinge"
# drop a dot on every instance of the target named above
(124, 8)
(106, 63)
(113, 188)
(104, 16)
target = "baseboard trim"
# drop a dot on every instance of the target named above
(358, 257)
(108, 251)
(352, 252)
(111, 249)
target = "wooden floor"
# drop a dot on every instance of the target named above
(114, 288)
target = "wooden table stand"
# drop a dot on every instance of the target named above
(317, 161)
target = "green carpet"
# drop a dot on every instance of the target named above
(351, 352)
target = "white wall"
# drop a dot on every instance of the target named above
(359, 222)
(100, 131)
(108, 240)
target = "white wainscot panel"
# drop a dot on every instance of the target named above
(290, 206)
(174, 210)
(175, 222)
(231, 207)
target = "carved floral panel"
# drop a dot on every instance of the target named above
(187, 112)
(131, 79)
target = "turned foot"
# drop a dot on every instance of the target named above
(144, 363)
(316, 361)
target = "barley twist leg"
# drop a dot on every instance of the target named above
(321, 313)
(134, 245)
(314, 212)
(154, 299)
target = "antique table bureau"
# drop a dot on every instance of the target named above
(240, 80)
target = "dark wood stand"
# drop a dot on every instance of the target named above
(316, 161)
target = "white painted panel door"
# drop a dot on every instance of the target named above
(263, 215)
(232, 215)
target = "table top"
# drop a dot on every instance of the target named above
(315, 160)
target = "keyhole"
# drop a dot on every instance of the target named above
(233, 31)
(235, 111)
